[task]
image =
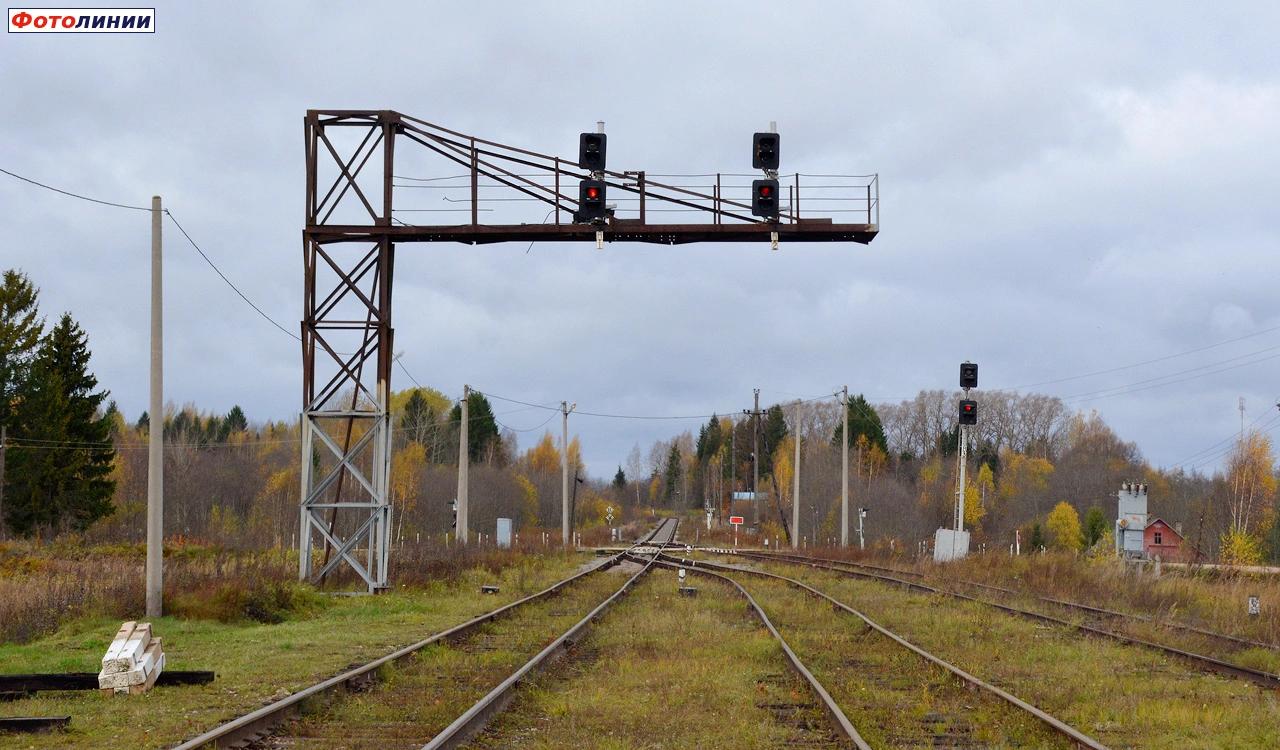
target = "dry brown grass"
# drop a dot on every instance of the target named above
(43, 586)
(1208, 599)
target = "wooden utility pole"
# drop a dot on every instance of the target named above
(155, 429)
(464, 467)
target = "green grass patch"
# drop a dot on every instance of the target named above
(254, 661)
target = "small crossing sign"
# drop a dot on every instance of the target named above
(1255, 605)
(608, 514)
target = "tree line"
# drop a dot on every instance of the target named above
(75, 463)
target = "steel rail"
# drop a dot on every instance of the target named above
(1066, 730)
(474, 719)
(1012, 592)
(834, 712)
(1257, 676)
(248, 726)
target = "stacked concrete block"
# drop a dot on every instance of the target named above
(133, 662)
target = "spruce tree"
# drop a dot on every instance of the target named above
(20, 329)
(235, 421)
(863, 420)
(59, 473)
(672, 478)
(620, 479)
(482, 432)
(773, 432)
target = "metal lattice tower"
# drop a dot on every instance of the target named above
(349, 241)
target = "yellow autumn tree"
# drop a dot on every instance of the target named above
(1063, 525)
(655, 489)
(1023, 476)
(575, 456)
(1251, 477)
(973, 510)
(979, 492)
(406, 474)
(783, 471)
(935, 497)
(544, 457)
(528, 501)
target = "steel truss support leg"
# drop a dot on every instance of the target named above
(346, 428)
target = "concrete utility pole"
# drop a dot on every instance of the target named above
(565, 408)
(795, 489)
(844, 470)
(155, 430)
(464, 466)
(755, 461)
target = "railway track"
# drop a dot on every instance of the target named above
(1067, 733)
(900, 578)
(259, 728)
(1087, 609)
(474, 719)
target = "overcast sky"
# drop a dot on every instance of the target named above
(1066, 188)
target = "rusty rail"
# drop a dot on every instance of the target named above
(474, 719)
(1257, 676)
(1080, 739)
(258, 722)
(837, 716)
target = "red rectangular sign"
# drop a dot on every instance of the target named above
(735, 520)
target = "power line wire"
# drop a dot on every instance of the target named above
(74, 195)
(234, 288)
(1144, 362)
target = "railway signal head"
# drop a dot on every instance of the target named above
(968, 375)
(591, 200)
(764, 151)
(591, 151)
(764, 198)
(968, 412)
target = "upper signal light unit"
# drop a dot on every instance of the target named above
(591, 151)
(968, 375)
(764, 151)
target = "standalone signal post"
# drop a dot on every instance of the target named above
(862, 540)
(953, 543)
(358, 211)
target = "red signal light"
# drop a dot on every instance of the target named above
(765, 191)
(593, 193)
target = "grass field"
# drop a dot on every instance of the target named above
(1125, 696)
(423, 695)
(254, 661)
